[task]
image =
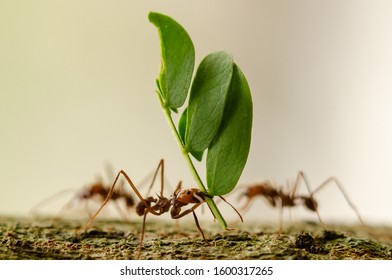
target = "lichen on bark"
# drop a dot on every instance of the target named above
(46, 238)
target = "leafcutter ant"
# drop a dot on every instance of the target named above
(276, 196)
(96, 191)
(161, 204)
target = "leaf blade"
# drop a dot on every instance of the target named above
(178, 60)
(207, 100)
(181, 130)
(227, 154)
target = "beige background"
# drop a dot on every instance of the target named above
(77, 90)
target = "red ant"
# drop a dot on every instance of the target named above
(97, 190)
(101, 191)
(158, 206)
(276, 196)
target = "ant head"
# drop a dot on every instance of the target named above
(186, 196)
(310, 203)
(248, 193)
(87, 193)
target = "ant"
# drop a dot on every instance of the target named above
(97, 190)
(277, 196)
(160, 205)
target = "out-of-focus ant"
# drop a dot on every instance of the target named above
(276, 196)
(160, 205)
(96, 191)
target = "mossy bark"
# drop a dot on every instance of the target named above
(45, 238)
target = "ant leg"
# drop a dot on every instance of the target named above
(142, 233)
(154, 174)
(293, 194)
(186, 212)
(111, 193)
(191, 210)
(161, 166)
(66, 207)
(91, 220)
(244, 209)
(281, 218)
(342, 190)
(33, 210)
(120, 211)
(109, 170)
(300, 175)
(199, 228)
(178, 188)
(87, 209)
(71, 203)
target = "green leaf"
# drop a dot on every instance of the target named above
(181, 131)
(182, 125)
(178, 60)
(229, 150)
(207, 100)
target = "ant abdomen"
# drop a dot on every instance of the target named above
(141, 207)
(310, 203)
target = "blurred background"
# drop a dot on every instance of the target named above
(77, 91)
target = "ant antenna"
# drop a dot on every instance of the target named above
(238, 213)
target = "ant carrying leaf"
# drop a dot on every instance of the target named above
(276, 196)
(217, 119)
(162, 204)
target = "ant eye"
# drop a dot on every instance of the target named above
(188, 192)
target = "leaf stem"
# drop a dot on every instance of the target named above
(211, 203)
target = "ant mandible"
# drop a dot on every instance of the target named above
(275, 195)
(158, 206)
